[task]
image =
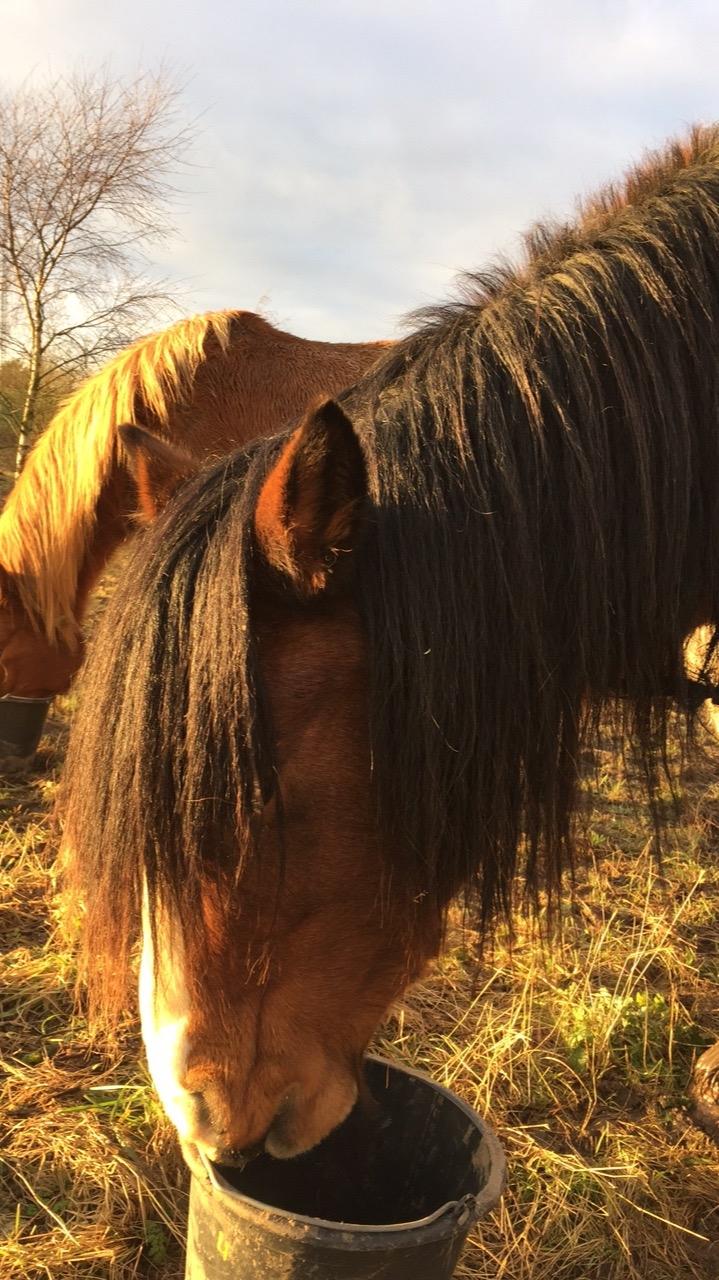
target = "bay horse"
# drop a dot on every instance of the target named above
(353, 668)
(205, 385)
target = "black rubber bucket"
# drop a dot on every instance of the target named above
(21, 724)
(390, 1195)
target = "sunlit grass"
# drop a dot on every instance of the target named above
(576, 1044)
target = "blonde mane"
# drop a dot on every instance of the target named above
(49, 518)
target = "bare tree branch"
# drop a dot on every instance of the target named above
(85, 167)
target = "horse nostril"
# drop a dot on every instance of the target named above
(212, 1117)
(250, 1153)
(238, 1157)
(202, 1110)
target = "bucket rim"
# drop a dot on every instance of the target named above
(462, 1212)
(16, 697)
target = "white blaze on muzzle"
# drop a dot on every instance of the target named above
(165, 1014)
(165, 1018)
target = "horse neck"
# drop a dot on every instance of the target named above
(113, 524)
(260, 381)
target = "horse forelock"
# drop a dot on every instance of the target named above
(542, 461)
(49, 519)
(172, 665)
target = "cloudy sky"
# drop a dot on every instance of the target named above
(353, 155)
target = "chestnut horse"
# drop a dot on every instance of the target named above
(353, 668)
(207, 384)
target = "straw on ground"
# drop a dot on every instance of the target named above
(578, 1049)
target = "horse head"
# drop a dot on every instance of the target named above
(32, 666)
(257, 1004)
(268, 1036)
(32, 671)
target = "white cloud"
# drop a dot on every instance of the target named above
(353, 155)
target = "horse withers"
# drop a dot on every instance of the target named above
(354, 668)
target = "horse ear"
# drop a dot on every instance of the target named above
(158, 468)
(308, 508)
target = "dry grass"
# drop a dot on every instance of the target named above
(579, 1052)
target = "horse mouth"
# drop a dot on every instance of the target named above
(239, 1160)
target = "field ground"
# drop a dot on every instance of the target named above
(579, 1054)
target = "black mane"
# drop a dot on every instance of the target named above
(543, 458)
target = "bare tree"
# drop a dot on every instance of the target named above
(85, 167)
